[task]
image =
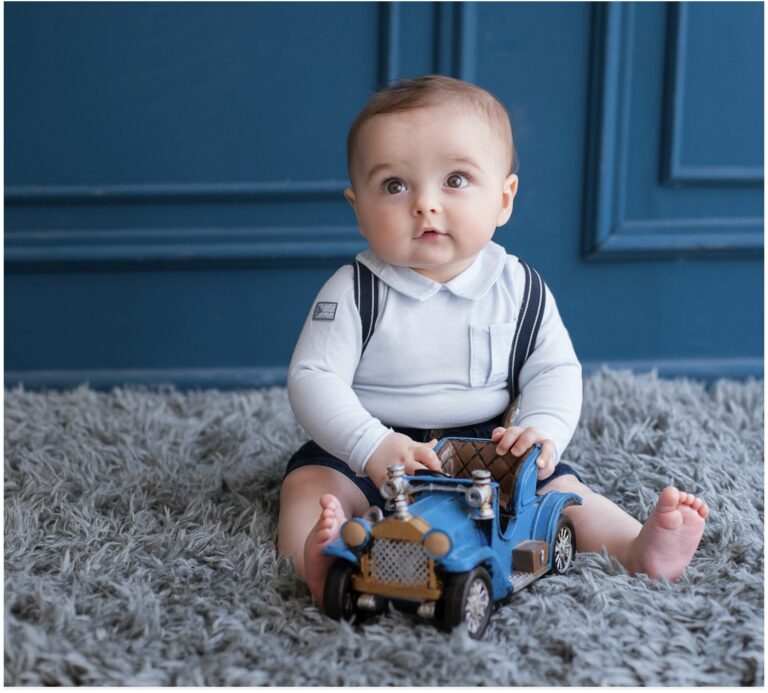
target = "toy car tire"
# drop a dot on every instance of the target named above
(338, 595)
(563, 546)
(468, 599)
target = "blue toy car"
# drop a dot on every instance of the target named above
(453, 542)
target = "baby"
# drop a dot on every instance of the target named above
(432, 167)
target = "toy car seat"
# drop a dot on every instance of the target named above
(459, 457)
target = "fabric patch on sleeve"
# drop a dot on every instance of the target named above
(325, 311)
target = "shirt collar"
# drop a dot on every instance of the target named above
(471, 284)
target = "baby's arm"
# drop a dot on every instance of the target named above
(551, 394)
(320, 389)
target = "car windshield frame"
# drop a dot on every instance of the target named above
(448, 484)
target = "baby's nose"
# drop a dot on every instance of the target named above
(425, 204)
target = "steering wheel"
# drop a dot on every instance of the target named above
(431, 472)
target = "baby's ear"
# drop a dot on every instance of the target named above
(349, 194)
(508, 193)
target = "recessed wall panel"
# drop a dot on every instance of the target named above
(116, 94)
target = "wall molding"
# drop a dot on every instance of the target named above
(456, 39)
(674, 169)
(40, 251)
(251, 191)
(181, 378)
(142, 193)
(389, 42)
(707, 370)
(608, 235)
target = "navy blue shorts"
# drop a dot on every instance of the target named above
(311, 454)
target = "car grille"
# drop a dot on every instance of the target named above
(399, 562)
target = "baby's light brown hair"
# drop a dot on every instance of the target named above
(430, 90)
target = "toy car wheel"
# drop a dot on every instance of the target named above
(469, 599)
(338, 595)
(564, 546)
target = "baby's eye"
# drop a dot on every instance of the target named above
(457, 180)
(394, 186)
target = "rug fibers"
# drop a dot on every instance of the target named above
(140, 550)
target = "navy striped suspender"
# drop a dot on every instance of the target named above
(366, 300)
(528, 322)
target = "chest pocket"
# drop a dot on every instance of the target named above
(489, 347)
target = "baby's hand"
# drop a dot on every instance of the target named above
(517, 440)
(395, 448)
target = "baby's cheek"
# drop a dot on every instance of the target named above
(385, 237)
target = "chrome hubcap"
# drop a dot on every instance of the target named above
(478, 601)
(563, 549)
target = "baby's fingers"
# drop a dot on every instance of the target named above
(426, 455)
(528, 437)
(546, 459)
(505, 438)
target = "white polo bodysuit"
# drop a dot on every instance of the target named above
(438, 358)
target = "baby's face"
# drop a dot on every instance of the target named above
(429, 187)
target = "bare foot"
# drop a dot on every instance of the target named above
(316, 565)
(670, 535)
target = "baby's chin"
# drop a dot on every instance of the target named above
(443, 272)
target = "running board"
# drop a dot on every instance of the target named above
(520, 580)
(531, 559)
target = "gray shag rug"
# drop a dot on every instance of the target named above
(140, 550)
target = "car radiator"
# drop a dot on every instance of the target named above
(399, 562)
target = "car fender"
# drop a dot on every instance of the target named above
(467, 558)
(339, 549)
(548, 513)
(525, 487)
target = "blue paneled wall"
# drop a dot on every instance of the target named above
(174, 175)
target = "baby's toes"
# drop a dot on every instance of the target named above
(690, 499)
(695, 503)
(328, 502)
(327, 517)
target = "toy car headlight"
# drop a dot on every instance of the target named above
(392, 487)
(388, 490)
(355, 533)
(373, 515)
(477, 496)
(436, 543)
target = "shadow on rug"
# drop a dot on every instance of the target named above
(140, 550)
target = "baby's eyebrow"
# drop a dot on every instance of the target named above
(376, 169)
(465, 160)
(451, 159)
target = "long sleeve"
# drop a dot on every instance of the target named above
(321, 373)
(550, 382)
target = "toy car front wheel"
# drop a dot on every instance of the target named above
(564, 546)
(338, 595)
(469, 599)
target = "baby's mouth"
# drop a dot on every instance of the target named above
(430, 232)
